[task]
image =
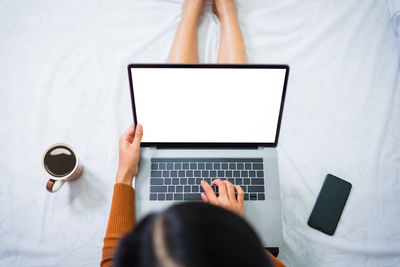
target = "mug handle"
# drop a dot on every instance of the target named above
(52, 185)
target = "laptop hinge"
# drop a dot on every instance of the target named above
(153, 147)
(261, 147)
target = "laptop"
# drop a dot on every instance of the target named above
(210, 121)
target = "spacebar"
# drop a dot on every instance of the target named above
(191, 197)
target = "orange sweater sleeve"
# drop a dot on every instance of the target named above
(120, 222)
(274, 260)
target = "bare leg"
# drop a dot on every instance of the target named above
(184, 46)
(231, 47)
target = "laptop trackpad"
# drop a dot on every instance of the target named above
(265, 218)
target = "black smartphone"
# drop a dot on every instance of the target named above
(329, 205)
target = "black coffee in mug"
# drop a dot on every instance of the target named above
(59, 161)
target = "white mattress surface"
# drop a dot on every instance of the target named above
(63, 78)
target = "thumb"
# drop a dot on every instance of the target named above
(138, 135)
(127, 136)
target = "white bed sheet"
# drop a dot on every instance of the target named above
(63, 78)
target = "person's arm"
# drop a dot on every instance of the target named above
(122, 214)
(274, 260)
(120, 222)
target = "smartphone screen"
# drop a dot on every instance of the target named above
(329, 205)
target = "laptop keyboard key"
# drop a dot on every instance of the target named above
(244, 173)
(156, 173)
(195, 189)
(171, 189)
(170, 166)
(178, 166)
(238, 181)
(156, 181)
(191, 181)
(252, 174)
(161, 196)
(240, 166)
(158, 189)
(261, 196)
(253, 196)
(193, 166)
(181, 174)
(183, 181)
(192, 197)
(178, 196)
(167, 181)
(174, 173)
(187, 188)
(247, 166)
(154, 166)
(197, 173)
(258, 181)
(246, 196)
(201, 166)
(255, 188)
(224, 166)
(185, 166)
(232, 166)
(205, 174)
(189, 173)
(162, 166)
(221, 174)
(236, 174)
(217, 166)
(209, 166)
(246, 181)
(231, 180)
(169, 197)
(228, 173)
(258, 166)
(179, 188)
(175, 181)
(198, 180)
(165, 173)
(260, 173)
(213, 173)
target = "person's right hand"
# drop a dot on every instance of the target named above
(226, 198)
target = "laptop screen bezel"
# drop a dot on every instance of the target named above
(207, 144)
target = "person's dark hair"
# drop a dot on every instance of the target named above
(191, 234)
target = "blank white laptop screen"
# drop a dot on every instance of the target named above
(213, 105)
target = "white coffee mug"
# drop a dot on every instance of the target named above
(61, 163)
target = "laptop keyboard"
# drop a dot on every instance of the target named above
(175, 179)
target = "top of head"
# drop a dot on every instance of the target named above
(192, 234)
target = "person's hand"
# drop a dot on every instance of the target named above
(129, 154)
(226, 198)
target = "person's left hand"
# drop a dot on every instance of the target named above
(129, 154)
